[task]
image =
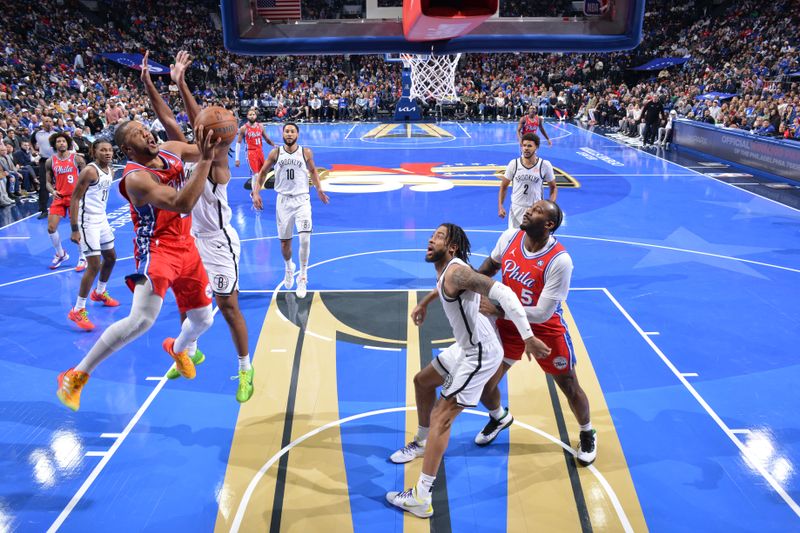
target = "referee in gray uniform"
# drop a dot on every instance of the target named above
(41, 140)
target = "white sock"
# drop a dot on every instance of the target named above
(80, 303)
(288, 263)
(422, 434)
(101, 287)
(305, 251)
(55, 238)
(424, 486)
(498, 413)
(192, 349)
(587, 426)
(244, 363)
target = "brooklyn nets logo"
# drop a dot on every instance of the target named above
(221, 283)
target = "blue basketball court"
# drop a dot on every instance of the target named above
(683, 309)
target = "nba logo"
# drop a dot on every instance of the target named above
(594, 8)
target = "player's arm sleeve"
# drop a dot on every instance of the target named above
(557, 278)
(502, 245)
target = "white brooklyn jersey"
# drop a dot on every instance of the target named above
(211, 213)
(527, 183)
(291, 172)
(93, 204)
(470, 328)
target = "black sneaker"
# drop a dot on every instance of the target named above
(587, 452)
(493, 428)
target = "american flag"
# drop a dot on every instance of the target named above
(279, 9)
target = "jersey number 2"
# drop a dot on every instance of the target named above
(526, 189)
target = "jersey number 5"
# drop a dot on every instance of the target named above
(526, 297)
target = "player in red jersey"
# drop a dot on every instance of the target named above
(538, 269)
(161, 199)
(252, 132)
(532, 123)
(62, 171)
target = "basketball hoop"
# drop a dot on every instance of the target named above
(432, 76)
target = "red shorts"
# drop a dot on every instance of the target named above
(256, 160)
(60, 206)
(174, 264)
(562, 356)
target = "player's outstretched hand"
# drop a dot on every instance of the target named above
(144, 75)
(536, 348)
(418, 314)
(178, 69)
(323, 196)
(501, 212)
(206, 142)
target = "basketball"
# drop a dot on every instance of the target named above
(221, 121)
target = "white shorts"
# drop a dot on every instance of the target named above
(515, 215)
(96, 236)
(293, 211)
(220, 255)
(466, 373)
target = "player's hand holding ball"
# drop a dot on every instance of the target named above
(206, 142)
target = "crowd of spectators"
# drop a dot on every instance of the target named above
(51, 67)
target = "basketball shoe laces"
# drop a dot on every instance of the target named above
(411, 447)
(587, 441)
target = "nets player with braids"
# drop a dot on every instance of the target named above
(461, 369)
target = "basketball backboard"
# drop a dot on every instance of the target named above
(306, 27)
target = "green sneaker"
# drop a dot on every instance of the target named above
(197, 358)
(245, 389)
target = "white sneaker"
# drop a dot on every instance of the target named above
(587, 451)
(81, 266)
(493, 428)
(409, 452)
(288, 277)
(302, 287)
(407, 501)
(58, 260)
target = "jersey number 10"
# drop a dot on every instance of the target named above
(289, 173)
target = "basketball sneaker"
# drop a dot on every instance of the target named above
(81, 266)
(81, 318)
(408, 501)
(409, 452)
(183, 362)
(70, 384)
(107, 300)
(493, 428)
(245, 389)
(302, 287)
(197, 358)
(587, 452)
(288, 277)
(58, 260)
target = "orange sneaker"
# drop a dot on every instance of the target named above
(107, 300)
(70, 384)
(81, 318)
(183, 362)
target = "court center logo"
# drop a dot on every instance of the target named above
(420, 177)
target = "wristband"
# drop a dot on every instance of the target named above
(74, 227)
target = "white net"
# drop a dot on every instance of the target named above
(432, 76)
